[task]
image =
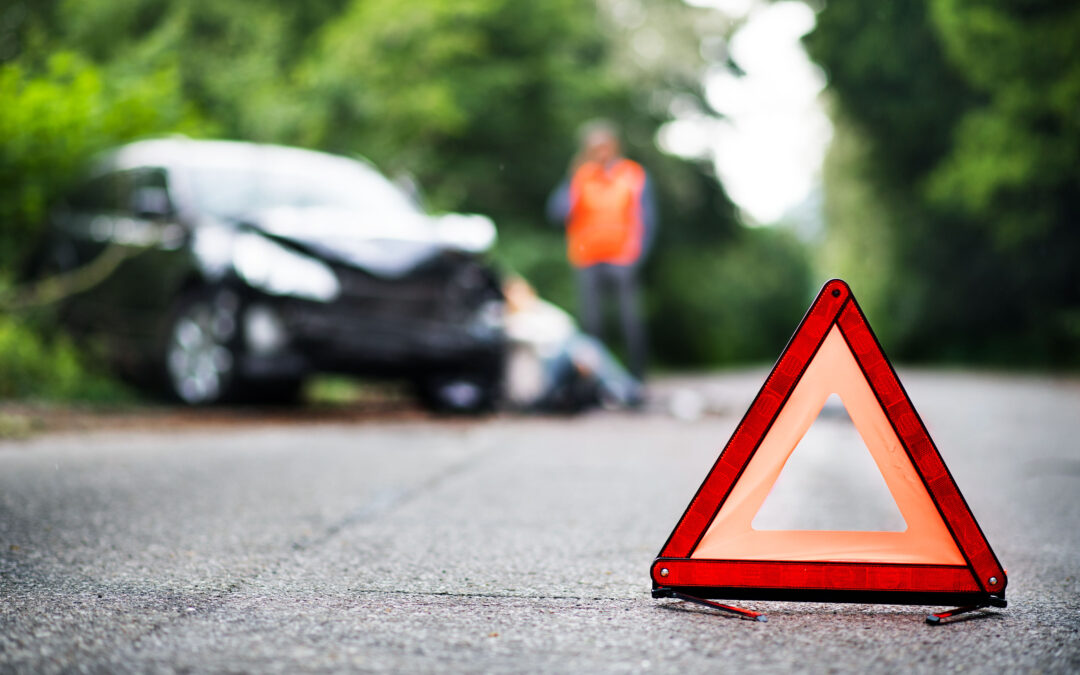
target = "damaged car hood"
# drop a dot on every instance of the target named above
(382, 245)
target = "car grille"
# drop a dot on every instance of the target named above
(374, 296)
(439, 294)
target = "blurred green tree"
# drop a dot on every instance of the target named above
(478, 99)
(54, 118)
(961, 117)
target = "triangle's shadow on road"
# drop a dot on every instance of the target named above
(809, 612)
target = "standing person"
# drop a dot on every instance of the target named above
(610, 217)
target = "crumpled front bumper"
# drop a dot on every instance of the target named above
(324, 338)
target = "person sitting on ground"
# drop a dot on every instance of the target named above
(552, 365)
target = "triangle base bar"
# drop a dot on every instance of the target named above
(816, 576)
(885, 583)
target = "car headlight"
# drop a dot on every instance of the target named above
(471, 233)
(277, 270)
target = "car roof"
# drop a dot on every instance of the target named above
(173, 153)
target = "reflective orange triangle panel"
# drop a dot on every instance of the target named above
(941, 552)
(832, 371)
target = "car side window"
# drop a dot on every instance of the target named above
(136, 192)
(144, 193)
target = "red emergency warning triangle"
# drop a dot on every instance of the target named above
(942, 557)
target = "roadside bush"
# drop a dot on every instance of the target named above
(55, 117)
(48, 369)
(733, 302)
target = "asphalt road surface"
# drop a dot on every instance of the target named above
(504, 545)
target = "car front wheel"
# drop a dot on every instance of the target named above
(201, 347)
(460, 393)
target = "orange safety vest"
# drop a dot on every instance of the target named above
(605, 222)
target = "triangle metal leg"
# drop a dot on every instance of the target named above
(940, 618)
(747, 614)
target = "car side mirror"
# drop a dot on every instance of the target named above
(472, 233)
(151, 203)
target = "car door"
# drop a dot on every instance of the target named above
(124, 224)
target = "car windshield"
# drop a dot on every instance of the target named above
(232, 191)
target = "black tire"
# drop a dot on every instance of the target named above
(201, 347)
(572, 398)
(460, 393)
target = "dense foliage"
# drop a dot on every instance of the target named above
(49, 368)
(954, 181)
(479, 100)
(54, 117)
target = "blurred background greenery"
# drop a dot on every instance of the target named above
(954, 176)
(951, 191)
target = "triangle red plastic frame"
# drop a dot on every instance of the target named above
(981, 579)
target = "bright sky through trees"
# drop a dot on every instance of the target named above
(769, 148)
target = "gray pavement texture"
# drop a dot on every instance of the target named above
(502, 545)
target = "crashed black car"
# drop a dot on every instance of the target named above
(248, 267)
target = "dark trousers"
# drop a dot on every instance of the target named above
(596, 284)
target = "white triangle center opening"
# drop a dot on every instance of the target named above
(832, 463)
(734, 532)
